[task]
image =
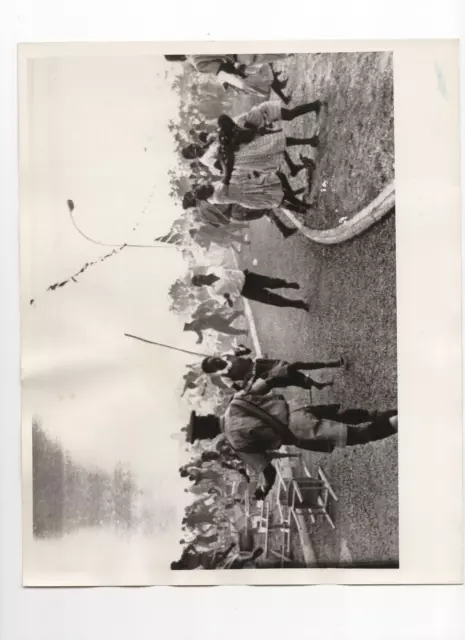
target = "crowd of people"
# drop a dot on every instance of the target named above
(237, 174)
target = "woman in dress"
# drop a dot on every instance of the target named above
(254, 190)
(257, 79)
(255, 145)
(221, 215)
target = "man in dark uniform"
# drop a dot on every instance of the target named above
(257, 423)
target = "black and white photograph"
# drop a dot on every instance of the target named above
(209, 316)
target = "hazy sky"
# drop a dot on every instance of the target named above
(106, 397)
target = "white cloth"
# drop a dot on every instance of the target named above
(231, 282)
(262, 191)
(262, 114)
(210, 157)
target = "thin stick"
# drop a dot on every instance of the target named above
(159, 245)
(167, 346)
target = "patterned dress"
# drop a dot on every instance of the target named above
(259, 80)
(264, 153)
(261, 115)
(262, 191)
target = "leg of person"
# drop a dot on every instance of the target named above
(296, 204)
(310, 444)
(298, 379)
(223, 326)
(259, 281)
(301, 109)
(284, 230)
(277, 88)
(276, 76)
(234, 316)
(312, 366)
(383, 426)
(302, 208)
(314, 141)
(308, 163)
(324, 411)
(271, 298)
(293, 168)
(228, 320)
(287, 188)
(289, 194)
(331, 433)
(354, 416)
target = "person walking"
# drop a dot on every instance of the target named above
(256, 146)
(253, 190)
(221, 215)
(258, 78)
(279, 373)
(216, 322)
(206, 235)
(258, 421)
(228, 285)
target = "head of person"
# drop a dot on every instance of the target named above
(202, 427)
(176, 58)
(213, 364)
(189, 200)
(226, 123)
(203, 191)
(200, 279)
(192, 151)
(183, 473)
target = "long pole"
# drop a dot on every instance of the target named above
(167, 346)
(159, 245)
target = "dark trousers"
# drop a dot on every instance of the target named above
(362, 427)
(256, 287)
(290, 376)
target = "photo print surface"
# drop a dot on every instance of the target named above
(209, 314)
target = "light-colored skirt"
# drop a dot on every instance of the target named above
(259, 79)
(262, 191)
(264, 153)
(261, 115)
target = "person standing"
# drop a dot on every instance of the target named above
(217, 322)
(258, 422)
(253, 190)
(258, 78)
(255, 145)
(220, 215)
(228, 285)
(206, 235)
(278, 373)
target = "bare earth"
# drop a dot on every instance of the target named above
(355, 160)
(351, 289)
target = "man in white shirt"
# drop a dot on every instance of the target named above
(228, 285)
